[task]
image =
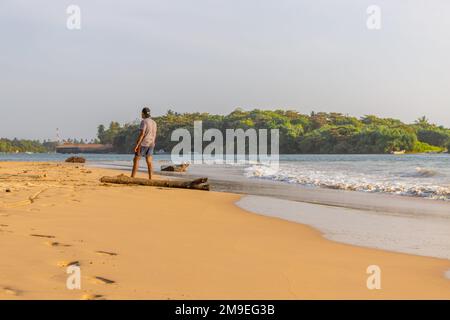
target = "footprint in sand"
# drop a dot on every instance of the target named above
(42, 236)
(101, 280)
(106, 253)
(90, 296)
(57, 244)
(10, 291)
(63, 264)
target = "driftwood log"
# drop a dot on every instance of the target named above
(197, 184)
(175, 167)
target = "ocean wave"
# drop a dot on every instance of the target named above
(352, 181)
(424, 172)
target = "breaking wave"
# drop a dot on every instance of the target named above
(410, 184)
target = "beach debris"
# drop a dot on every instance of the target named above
(197, 184)
(7, 190)
(33, 197)
(76, 160)
(175, 167)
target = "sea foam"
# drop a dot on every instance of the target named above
(402, 183)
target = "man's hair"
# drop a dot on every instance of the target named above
(146, 112)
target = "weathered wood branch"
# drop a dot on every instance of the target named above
(175, 167)
(197, 184)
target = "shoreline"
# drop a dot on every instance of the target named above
(361, 228)
(233, 180)
(377, 221)
(201, 246)
(320, 191)
(359, 200)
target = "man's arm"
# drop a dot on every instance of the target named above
(139, 140)
(154, 135)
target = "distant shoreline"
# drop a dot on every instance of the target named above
(284, 154)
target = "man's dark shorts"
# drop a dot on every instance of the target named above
(144, 152)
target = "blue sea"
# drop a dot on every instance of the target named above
(419, 175)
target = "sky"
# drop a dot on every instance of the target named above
(216, 55)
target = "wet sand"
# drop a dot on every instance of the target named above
(418, 234)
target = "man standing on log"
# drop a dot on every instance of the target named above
(145, 143)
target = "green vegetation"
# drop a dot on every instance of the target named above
(299, 133)
(35, 146)
(425, 147)
(17, 145)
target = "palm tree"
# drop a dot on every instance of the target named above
(422, 121)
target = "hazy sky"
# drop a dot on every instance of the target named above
(215, 55)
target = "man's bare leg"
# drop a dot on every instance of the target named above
(149, 160)
(135, 166)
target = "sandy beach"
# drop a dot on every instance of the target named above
(134, 242)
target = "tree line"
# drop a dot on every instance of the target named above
(36, 146)
(321, 133)
(23, 145)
